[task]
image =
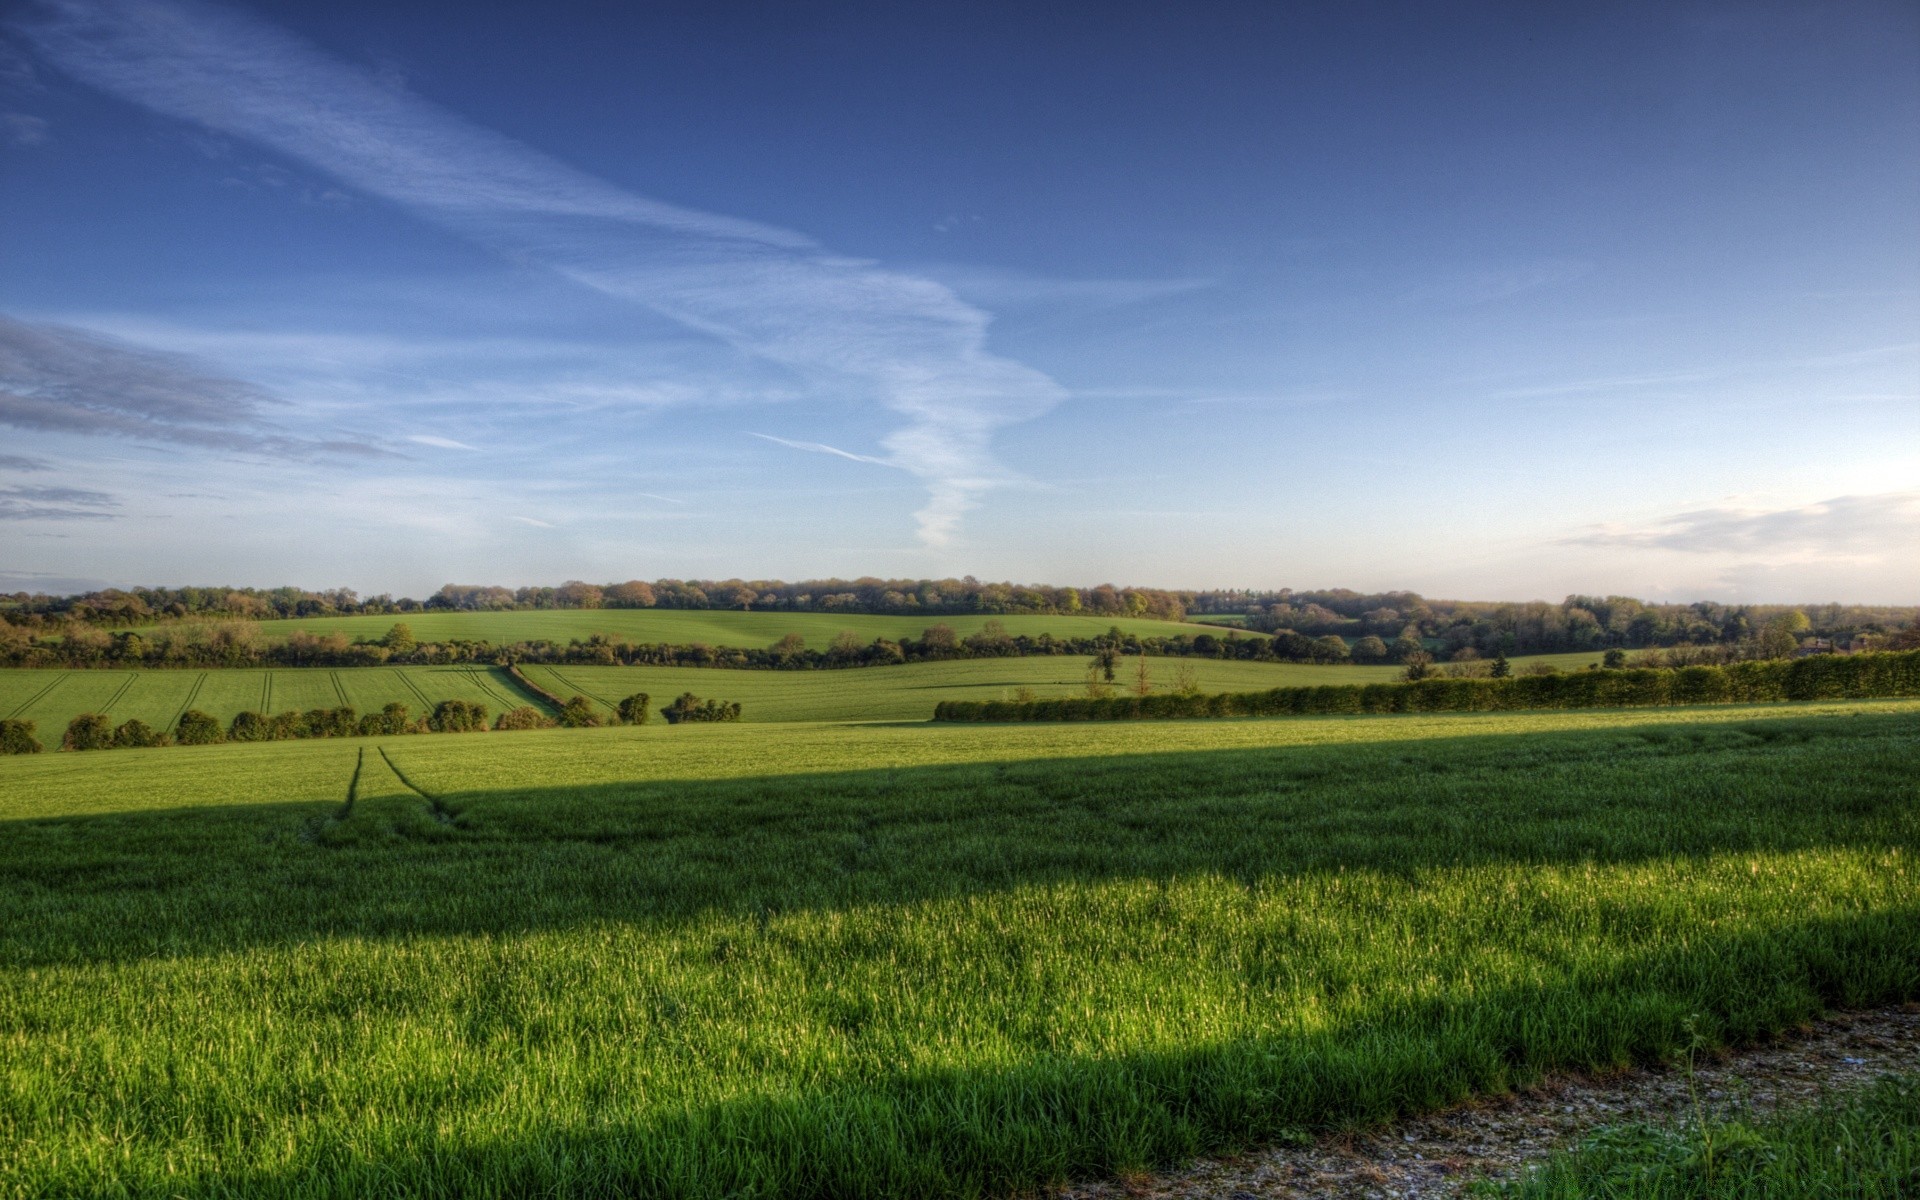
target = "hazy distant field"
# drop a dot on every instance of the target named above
(714, 628)
(902, 693)
(883, 960)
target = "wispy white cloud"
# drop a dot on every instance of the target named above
(823, 448)
(903, 341)
(1843, 529)
(444, 443)
(532, 522)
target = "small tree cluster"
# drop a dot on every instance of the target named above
(526, 716)
(634, 709)
(16, 737)
(458, 716)
(689, 707)
(579, 713)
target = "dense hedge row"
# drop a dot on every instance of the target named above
(1821, 677)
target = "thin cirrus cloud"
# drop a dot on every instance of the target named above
(55, 504)
(823, 448)
(1843, 528)
(442, 443)
(59, 380)
(846, 325)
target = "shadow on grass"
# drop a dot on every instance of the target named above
(1053, 1118)
(130, 885)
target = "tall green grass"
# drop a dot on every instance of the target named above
(866, 961)
(1859, 1145)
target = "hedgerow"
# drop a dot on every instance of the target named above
(1820, 677)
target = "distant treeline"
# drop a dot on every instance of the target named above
(1823, 677)
(241, 644)
(1576, 623)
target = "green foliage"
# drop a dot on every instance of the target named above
(16, 737)
(524, 716)
(196, 728)
(393, 718)
(579, 713)
(904, 961)
(1614, 659)
(1370, 649)
(88, 731)
(689, 707)
(399, 639)
(136, 734)
(1864, 1144)
(1822, 677)
(457, 716)
(634, 710)
(1502, 669)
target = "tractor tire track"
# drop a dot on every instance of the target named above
(436, 807)
(115, 698)
(38, 696)
(192, 695)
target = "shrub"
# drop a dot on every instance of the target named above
(1369, 650)
(196, 728)
(16, 737)
(1614, 659)
(391, 719)
(634, 709)
(134, 734)
(328, 723)
(458, 716)
(88, 731)
(579, 713)
(689, 707)
(524, 717)
(250, 726)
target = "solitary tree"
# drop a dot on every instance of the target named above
(634, 709)
(399, 639)
(1142, 681)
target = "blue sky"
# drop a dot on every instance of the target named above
(1481, 300)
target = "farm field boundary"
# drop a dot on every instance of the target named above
(1821, 677)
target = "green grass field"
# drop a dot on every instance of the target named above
(710, 626)
(904, 693)
(888, 959)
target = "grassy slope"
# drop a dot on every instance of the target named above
(906, 693)
(829, 960)
(715, 628)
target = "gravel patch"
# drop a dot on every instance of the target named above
(1441, 1154)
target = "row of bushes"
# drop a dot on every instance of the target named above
(1823, 677)
(95, 731)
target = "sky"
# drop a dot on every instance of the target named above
(1480, 300)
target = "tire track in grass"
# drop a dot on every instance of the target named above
(339, 689)
(38, 696)
(571, 686)
(115, 698)
(266, 695)
(192, 694)
(484, 680)
(435, 806)
(407, 680)
(353, 786)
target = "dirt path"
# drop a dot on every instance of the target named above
(1438, 1155)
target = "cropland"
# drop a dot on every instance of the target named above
(52, 697)
(895, 958)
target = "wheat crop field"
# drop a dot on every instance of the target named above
(51, 697)
(829, 959)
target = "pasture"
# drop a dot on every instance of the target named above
(714, 627)
(890, 959)
(902, 693)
